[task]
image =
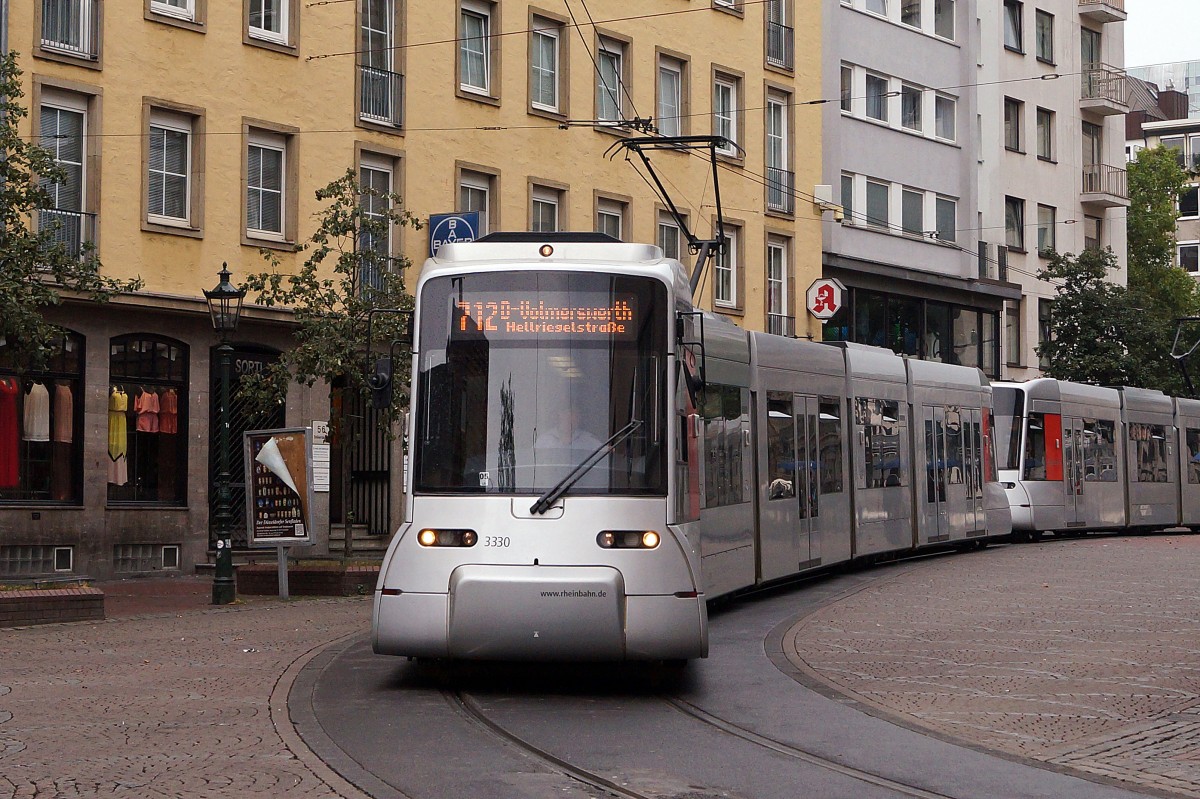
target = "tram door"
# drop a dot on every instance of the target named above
(936, 507)
(976, 512)
(1072, 438)
(808, 477)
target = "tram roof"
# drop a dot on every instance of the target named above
(540, 248)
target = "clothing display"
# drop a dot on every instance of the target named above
(37, 413)
(168, 412)
(118, 437)
(9, 433)
(146, 405)
(64, 414)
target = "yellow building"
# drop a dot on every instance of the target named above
(196, 132)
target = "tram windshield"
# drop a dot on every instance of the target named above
(524, 375)
(1008, 408)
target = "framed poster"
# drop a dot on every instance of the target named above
(278, 486)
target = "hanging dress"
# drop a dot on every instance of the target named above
(146, 406)
(118, 438)
(9, 433)
(62, 433)
(37, 413)
(168, 413)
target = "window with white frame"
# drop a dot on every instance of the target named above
(1189, 256)
(1093, 232)
(670, 96)
(269, 20)
(1045, 134)
(1044, 36)
(610, 80)
(943, 18)
(68, 26)
(1047, 217)
(877, 7)
(63, 120)
(878, 200)
(1012, 333)
(946, 218)
(1014, 223)
(474, 47)
(544, 67)
(475, 194)
(877, 97)
(668, 236)
(725, 113)
(169, 169)
(546, 205)
(780, 191)
(847, 88)
(848, 199)
(1014, 35)
(725, 271)
(912, 212)
(1189, 208)
(777, 286)
(266, 156)
(944, 110)
(910, 13)
(375, 179)
(610, 217)
(182, 9)
(911, 98)
(381, 96)
(1013, 113)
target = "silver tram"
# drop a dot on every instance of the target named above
(1080, 457)
(592, 459)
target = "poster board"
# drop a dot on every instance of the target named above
(279, 480)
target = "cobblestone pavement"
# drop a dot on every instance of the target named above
(168, 704)
(1081, 653)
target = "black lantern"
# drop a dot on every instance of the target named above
(225, 304)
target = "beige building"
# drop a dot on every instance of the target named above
(196, 132)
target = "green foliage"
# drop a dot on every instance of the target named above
(35, 266)
(340, 283)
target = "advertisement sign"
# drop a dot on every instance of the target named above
(451, 228)
(279, 479)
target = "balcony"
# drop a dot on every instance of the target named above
(780, 45)
(780, 325)
(71, 27)
(72, 229)
(1103, 90)
(1103, 10)
(381, 97)
(1104, 186)
(781, 198)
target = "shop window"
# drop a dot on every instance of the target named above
(40, 422)
(147, 420)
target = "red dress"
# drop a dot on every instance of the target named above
(9, 432)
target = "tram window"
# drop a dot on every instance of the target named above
(830, 431)
(1193, 445)
(1150, 450)
(1106, 451)
(1035, 447)
(955, 462)
(1009, 406)
(781, 442)
(725, 419)
(881, 443)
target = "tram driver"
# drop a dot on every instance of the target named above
(568, 432)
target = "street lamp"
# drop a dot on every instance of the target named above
(225, 308)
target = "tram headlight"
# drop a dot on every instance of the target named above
(447, 538)
(628, 539)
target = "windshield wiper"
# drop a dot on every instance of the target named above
(550, 497)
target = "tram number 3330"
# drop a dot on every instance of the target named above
(496, 541)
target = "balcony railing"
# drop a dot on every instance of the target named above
(71, 26)
(781, 325)
(1103, 10)
(71, 229)
(780, 196)
(1102, 179)
(382, 96)
(780, 39)
(1103, 85)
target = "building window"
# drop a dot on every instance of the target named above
(877, 7)
(1189, 256)
(668, 236)
(670, 97)
(946, 219)
(943, 18)
(266, 162)
(147, 420)
(41, 423)
(944, 110)
(1045, 134)
(1012, 334)
(1045, 230)
(64, 123)
(910, 13)
(780, 36)
(182, 9)
(70, 27)
(725, 114)
(780, 190)
(381, 89)
(475, 191)
(847, 88)
(610, 81)
(545, 209)
(877, 97)
(912, 212)
(725, 272)
(1092, 230)
(1012, 124)
(169, 169)
(877, 204)
(1045, 327)
(610, 217)
(779, 321)
(848, 198)
(910, 107)
(1194, 143)
(474, 48)
(1187, 203)
(544, 69)
(375, 178)
(269, 20)
(1014, 223)
(1013, 25)
(1044, 22)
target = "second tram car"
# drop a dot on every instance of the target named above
(592, 458)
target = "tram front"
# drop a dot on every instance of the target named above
(539, 440)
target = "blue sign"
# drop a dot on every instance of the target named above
(451, 228)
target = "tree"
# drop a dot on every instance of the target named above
(347, 278)
(1092, 322)
(1161, 291)
(37, 262)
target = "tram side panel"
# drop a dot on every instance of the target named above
(1187, 416)
(1150, 458)
(1094, 471)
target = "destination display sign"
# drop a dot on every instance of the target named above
(514, 317)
